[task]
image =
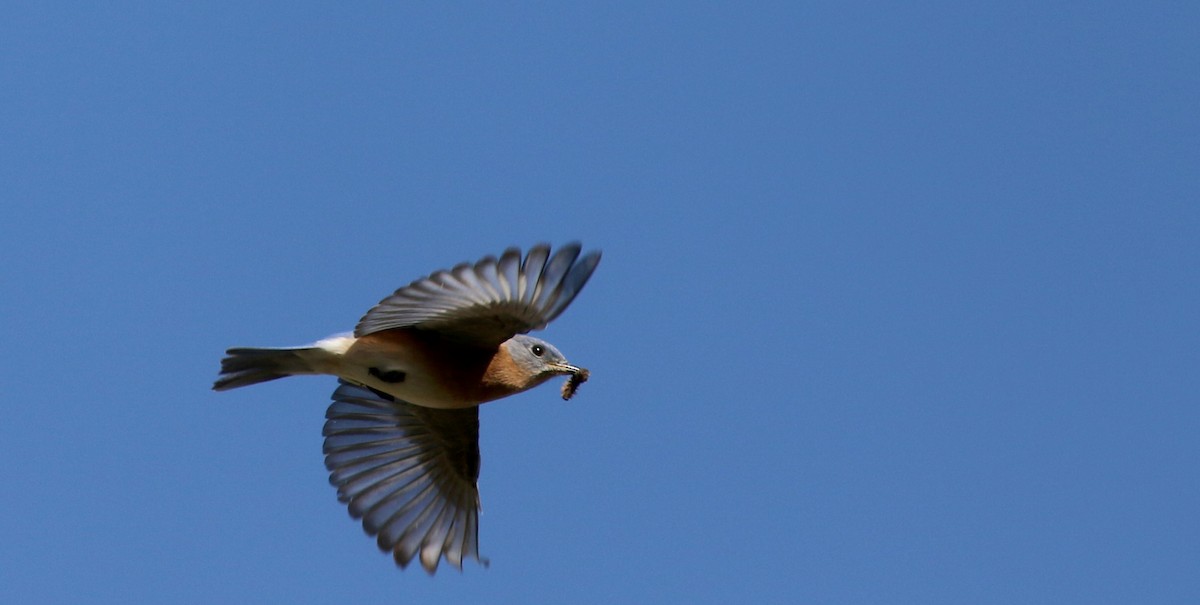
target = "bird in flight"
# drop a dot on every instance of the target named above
(402, 433)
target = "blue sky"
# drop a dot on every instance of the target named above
(897, 305)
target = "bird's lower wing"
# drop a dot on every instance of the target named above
(408, 472)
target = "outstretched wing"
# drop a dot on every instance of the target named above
(408, 472)
(490, 301)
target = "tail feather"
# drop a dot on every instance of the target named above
(247, 366)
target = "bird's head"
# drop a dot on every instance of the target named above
(537, 357)
(537, 360)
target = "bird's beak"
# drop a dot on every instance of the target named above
(566, 368)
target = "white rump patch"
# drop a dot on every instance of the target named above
(337, 344)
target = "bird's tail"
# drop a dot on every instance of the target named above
(246, 366)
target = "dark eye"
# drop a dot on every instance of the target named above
(538, 350)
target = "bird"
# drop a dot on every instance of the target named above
(402, 431)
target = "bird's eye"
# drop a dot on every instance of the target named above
(538, 350)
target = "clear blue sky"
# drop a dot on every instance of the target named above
(898, 305)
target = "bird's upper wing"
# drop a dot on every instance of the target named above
(490, 301)
(408, 472)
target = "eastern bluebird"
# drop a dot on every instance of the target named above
(402, 433)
